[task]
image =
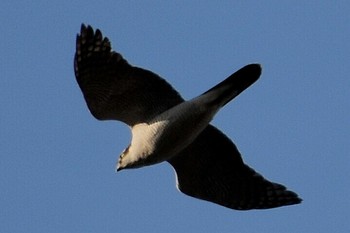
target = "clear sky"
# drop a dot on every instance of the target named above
(57, 162)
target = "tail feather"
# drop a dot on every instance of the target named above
(235, 84)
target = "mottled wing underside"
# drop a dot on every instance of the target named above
(115, 90)
(212, 169)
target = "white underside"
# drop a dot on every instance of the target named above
(170, 132)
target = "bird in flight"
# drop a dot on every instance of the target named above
(165, 127)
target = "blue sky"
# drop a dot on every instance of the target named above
(57, 162)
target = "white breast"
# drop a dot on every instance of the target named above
(170, 132)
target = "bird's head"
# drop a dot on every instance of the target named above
(123, 160)
(128, 159)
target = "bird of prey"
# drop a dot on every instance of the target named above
(165, 127)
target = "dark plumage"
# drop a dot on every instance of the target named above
(210, 167)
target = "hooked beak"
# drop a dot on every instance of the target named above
(118, 168)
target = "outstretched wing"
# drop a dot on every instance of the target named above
(212, 169)
(112, 88)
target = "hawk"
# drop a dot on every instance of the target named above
(165, 127)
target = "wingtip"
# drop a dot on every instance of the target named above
(82, 27)
(285, 197)
(298, 200)
(86, 29)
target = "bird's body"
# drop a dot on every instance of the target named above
(170, 132)
(165, 127)
(165, 135)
